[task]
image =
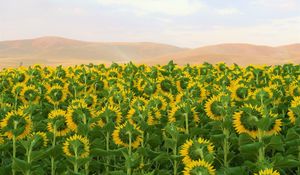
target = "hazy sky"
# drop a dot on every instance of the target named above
(187, 23)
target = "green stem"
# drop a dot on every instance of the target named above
(298, 159)
(107, 149)
(28, 153)
(52, 158)
(14, 147)
(261, 151)
(14, 153)
(186, 123)
(175, 165)
(76, 159)
(226, 148)
(129, 153)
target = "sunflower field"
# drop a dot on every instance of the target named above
(150, 120)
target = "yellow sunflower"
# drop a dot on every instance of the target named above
(76, 145)
(120, 135)
(245, 121)
(165, 84)
(263, 93)
(178, 112)
(110, 113)
(56, 94)
(17, 88)
(29, 94)
(239, 92)
(212, 107)
(80, 114)
(58, 118)
(40, 136)
(139, 102)
(196, 150)
(295, 104)
(17, 124)
(294, 90)
(157, 102)
(197, 90)
(268, 171)
(199, 167)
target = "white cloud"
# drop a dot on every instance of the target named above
(273, 32)
(168, 7)
(228, 11)
(284, 5)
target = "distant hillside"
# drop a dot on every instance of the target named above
(57, 50)
(242, 54)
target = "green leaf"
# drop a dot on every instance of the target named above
(20, 165)
(251, 148)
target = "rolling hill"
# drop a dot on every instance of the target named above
(57, 50)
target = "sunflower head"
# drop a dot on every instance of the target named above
(56, 94)
(57, 123)
(123, 132)
(193, 150)
(80, 114)
(199, 167)
(110, 114)
(76, 145)
(16, 124)
(239, 92)
(267, 171)
(248, 118)
(30, 94)
(213, 108)
(39, 138)
(179, 112)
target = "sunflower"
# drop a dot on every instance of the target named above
(196, 150)
(157, 102)
(80, 114)
(21, 76)
(57, 81)
(56, 94)
(91, 100)
(268, 171)
(245, 121)
(40, 136)
(179, 111)
(76, 145)
(212, 107)
(16, 123)
(121, 138)
(166, 84)
(58, 118)
(263, 93)
(29, 94)
(294, 90)
(183, 82)
(197, 91)
(276, 80)
(167, 96)
(239, 92)
(110, 114)
(17, 88)
(138, 102)
(293, 110)
(199, 167)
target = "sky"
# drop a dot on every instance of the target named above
(184, 23)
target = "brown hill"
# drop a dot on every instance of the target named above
(242, 54)
(56, 50)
